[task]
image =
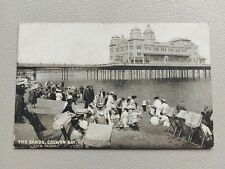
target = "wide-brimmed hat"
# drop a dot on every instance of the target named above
(99, 105)
(125, 108)
(92, 104)
(113, 93)
(133, 97)
(21, 81)
(163, 100)
(157, 97)
(34, 87)
(58, 90)
(69, 97)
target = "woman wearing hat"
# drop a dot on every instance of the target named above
(124, 118)
(101, 116)
(157, 106)
(33, 97)
(165, 107)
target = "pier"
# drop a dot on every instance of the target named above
(123, 71)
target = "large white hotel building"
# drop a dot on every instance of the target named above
(143, 48)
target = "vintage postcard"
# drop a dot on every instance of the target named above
(113, 86)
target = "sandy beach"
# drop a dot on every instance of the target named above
(148, 136)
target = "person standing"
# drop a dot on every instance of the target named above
(119, 106)
(33, 97)
(22, 112)
(52, 95)
(87, 97)
(157, 105)
(75, 93)
(92, 94)
(133, 104)
(58, 94)
(124, 118)
(144, 104)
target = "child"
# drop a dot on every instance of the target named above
(124, 118)
(144, 103)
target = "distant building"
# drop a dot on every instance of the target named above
(143, 48)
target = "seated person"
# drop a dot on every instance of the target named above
(68, 106)
(101, 115)
(180, 106)
(22, 112)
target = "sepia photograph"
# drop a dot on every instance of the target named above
(113, 86)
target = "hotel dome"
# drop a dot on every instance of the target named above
(149, 34)
(135, 33)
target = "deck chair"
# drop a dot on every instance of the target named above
(170, 113)
(62, 122)
(179, 122)
(193, 121)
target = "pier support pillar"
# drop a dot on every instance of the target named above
(35, 74)
(205, 74)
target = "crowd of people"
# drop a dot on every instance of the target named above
(106, 107)
(198, 128)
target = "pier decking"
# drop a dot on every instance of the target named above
(124, 71)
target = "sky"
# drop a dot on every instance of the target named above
(88, 43)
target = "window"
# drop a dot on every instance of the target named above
(138, 46)
(131, 47)
(163, 49)
(156, 49)
(138, 54)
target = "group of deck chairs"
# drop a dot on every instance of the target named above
(187, 125)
